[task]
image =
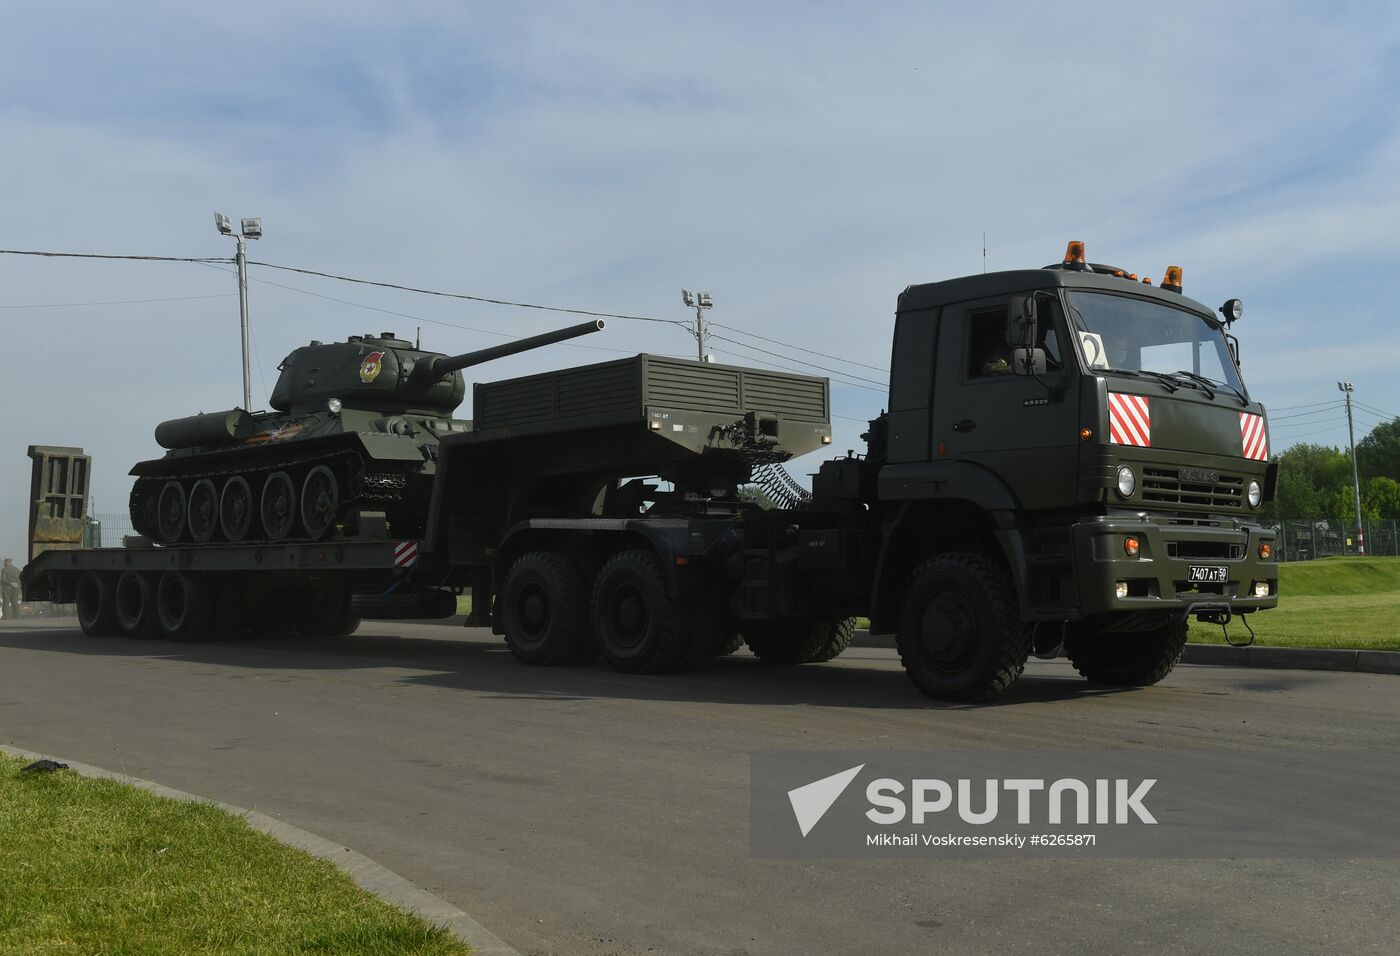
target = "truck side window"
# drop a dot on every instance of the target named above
(988, 353)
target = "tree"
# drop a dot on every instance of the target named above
(1343, 508)
(1382, 496)
(1378, 454)
(1310, 480)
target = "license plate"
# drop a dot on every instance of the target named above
(1198, 574)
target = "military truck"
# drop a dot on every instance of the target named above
(1070, 462)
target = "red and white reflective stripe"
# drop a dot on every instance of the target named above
(1253, 438)
(405, 553)
(1129, 420)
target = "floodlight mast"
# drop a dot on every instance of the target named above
(1348, 388)
(248, 229)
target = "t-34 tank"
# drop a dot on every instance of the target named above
(356, 426)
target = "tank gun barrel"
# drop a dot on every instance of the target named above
(445, 364)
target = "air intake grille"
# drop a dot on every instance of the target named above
(1164, 485)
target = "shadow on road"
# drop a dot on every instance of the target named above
(475, 660)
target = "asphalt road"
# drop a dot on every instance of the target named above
(584, 811)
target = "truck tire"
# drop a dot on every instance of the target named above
(786, 642)
(640, 630)
(1135, 659)
(713, 633)
(96, 599)
(325, 612)
(960, 633)
(136, 605)
(544, 610)
(185, 607)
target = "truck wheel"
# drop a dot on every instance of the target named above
(960, 636)
(544, 608)
(97, 605)
(1134, 659)
(185, 607)
(785, 642)
(136, 605)
(639, 629)
(713, 633)
(324, 613)
(836, 637)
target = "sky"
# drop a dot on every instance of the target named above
(803, 162)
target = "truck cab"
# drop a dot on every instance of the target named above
(1091, 437)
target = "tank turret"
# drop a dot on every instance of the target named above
(354, 423)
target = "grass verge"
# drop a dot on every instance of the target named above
(1351, 603)
(97, 866)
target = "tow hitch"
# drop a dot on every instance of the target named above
(1222, 615)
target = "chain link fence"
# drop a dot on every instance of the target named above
(1329, 537)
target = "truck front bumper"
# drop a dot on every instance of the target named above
(1161, 577)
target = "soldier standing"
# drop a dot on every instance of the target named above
(9, 589)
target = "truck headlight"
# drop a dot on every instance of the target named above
(1255, 493)
(1127, 481)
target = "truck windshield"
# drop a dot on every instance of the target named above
(1119, 333)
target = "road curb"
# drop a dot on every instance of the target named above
(1282, 658)
(369, 875)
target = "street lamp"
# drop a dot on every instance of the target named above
(1347, 388)
(248, 229)
(700, 301)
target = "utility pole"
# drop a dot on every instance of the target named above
(701, 301)
(248, 229)
(1346, 387)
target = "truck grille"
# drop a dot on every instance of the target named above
(1165, 486)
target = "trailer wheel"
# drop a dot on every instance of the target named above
(1136, 659)
(325, 613)
(136, 605)
(97, 605)
(960, 634)
(639, 629)
(185, 607)
(836, 637)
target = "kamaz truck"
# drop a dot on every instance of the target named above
(1070, 462)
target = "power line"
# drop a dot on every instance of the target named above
(1329, 428)
(1320, 411)
(793, 368)
(799, 361)
(1289, 408)
(96, 255)
(1306, 424)
(463, 295)
(74, 305)
(1374, 410)
(751, 335)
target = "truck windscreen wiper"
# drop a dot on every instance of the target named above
(1217, 383)
(1170, 383)
(1195, 381)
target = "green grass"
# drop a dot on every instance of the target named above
(96, 866)
(464, 604)
(1331, 602)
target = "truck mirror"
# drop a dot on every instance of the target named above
(1020, 321)
(1026, 361)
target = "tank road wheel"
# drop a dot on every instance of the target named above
(1134, 659)
(96, 599)
(544, 608)
(960, 635)
(324, 613)
(319, 500)
(236, 508)
(170, 512)
(203, 510)
(185, 607)
(279, 506)
(136, 605)
(639, 629)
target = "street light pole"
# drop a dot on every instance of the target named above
(1346, 388)
(701, 301)
(250, 229)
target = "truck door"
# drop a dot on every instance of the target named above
(1023, 432)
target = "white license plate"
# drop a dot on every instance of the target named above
(1198, 574)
